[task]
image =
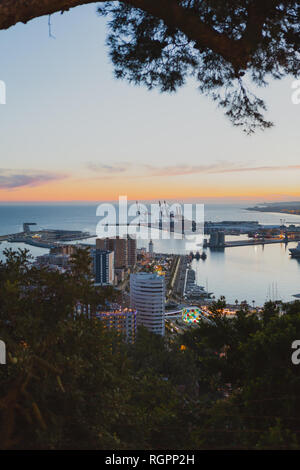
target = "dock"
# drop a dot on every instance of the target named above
(45, 238)
(268, 241)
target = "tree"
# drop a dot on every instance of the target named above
(69, 383)
(252, 389)
(223, 44)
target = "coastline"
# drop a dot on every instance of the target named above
(274, 211)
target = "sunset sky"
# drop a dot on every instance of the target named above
(71, 132)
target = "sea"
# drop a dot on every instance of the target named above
(252, 273)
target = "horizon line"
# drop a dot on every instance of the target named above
(190, 199)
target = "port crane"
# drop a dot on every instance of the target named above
(140, 212)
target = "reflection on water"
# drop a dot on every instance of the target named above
(249, 273)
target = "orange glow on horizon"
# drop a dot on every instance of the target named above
(109, 190)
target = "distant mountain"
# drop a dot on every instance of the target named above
(290, 207)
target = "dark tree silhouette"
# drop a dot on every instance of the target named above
(224, 44)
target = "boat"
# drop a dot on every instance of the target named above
(192, 290)
(197, 255)
(295, 252)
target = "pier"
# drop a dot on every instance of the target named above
(48, 238)
(268, 241)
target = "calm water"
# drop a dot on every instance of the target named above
(243, 273)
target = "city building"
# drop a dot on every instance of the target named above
(147, 296)
(103, 243)
(118, 246)
(53, 260)
(64, 250)
(123, 320)
(26, 226)
(82, 309)
(119, 275)
(217, 239)
(131, 252)
(151, 248)
(104, 267)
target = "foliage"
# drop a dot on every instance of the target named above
(227, 46)
(251, 382)
(224, 45)
(71, 384)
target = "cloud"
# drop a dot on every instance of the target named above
(221, 167)
(180, 170)
(12, 179)
(144, 170)
(108, 169)
(267, 168)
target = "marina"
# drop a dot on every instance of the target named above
(239, 272)
(193, 291)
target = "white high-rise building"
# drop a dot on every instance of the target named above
(147, 296)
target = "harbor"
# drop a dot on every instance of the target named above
(255, 242)
(46, 238)
(243, 271)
